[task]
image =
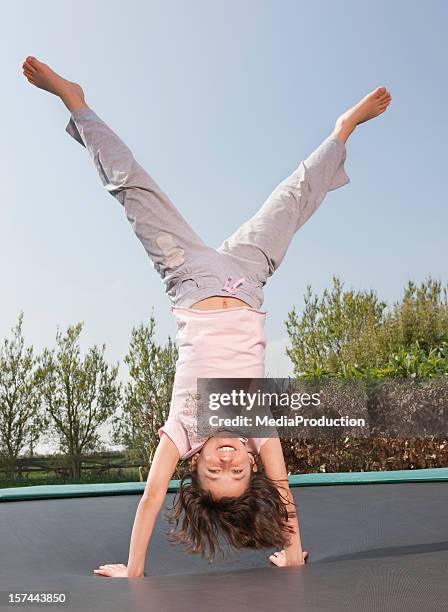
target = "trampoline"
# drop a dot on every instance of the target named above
(377, 541)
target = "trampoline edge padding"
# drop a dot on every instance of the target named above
(295, 480)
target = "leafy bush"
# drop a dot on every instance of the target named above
(354, 334)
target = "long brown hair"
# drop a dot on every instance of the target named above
(256, 519)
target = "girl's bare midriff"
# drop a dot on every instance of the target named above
(218, 302)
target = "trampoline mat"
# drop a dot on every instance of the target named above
(372, 547)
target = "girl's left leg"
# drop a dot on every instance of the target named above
(167, 238)
(261, 243)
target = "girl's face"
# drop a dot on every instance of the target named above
(224, 466)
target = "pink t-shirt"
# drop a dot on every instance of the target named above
(225, 343)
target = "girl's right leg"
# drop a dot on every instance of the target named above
(261, 243)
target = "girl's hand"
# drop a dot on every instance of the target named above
(280, 559)
(112, 570)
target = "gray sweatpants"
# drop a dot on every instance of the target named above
(190, 269)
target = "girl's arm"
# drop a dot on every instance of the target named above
(162, 468)
(271, 455)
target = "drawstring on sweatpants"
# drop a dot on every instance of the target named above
(232, 288)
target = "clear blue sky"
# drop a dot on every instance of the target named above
(219, 101)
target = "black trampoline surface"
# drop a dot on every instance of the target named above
(381, 547)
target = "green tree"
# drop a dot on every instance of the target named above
(79, 395)
(147, 394)
(419, 319)
(20, 417)
(336, 331)
(353, 333)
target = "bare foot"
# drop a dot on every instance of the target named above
(369, 107)
(42, 76)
